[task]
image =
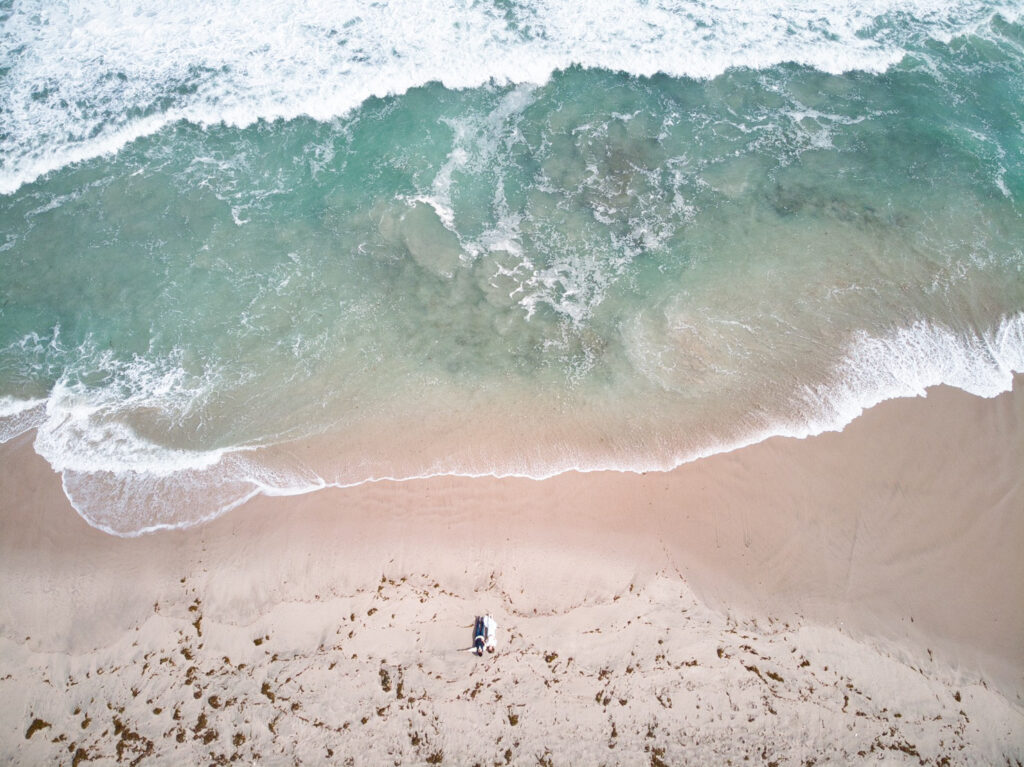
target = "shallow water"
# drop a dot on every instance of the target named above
(268, 251)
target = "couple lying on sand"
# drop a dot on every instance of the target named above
(484, 634)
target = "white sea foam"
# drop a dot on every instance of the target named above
(11, 407)
(83, 79)
(162, 489)
(907, 362)
(82, 437)
(20, 415)
(874, 369)
(87, 427)
(475, 143)
(117, 479)
(910, 360)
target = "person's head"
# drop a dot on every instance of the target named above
(490, 648)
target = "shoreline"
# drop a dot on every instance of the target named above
(898, 536)
(160, 488)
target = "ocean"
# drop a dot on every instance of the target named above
(269, 247)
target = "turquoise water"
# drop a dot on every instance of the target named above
(277, 250)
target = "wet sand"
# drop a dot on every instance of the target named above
(797, 599)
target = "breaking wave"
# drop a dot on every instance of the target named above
(125, 485)
(81, 80)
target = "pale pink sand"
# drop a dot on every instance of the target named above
(842, 598)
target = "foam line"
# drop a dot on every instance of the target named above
(18, 416)
(84, 79)
(903, 363)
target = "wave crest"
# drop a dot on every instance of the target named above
(82, 80)
(128, 487)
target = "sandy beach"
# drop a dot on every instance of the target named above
(852, 597)
(683, 341)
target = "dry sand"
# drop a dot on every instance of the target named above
(854, 597)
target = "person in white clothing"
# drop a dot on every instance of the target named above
(485, 631)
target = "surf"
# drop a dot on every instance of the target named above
(611, 268)
(84, 80)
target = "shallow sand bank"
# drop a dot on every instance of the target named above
(904, 531)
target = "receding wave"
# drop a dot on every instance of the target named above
(126, 486)
(81, 80)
